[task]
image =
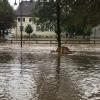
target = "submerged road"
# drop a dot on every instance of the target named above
(34, 73)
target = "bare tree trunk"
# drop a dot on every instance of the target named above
(58, 23)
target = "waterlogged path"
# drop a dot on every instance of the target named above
(33, 73)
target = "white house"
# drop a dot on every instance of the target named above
(24, 11)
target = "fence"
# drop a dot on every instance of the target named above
(54, 41)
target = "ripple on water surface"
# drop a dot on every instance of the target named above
(33, 73)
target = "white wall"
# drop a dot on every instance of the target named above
(16, 31)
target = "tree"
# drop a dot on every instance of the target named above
(7, 16)
(74, 14)
(44, 14)
(48, 13)
(28, 30)
(80, 14)
(87, 31)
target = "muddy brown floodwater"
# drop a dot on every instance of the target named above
(33, 73)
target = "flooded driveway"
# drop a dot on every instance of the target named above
(34, 73)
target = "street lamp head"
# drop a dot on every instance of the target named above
(15, 3)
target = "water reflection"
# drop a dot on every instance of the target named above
(84, 68)
(35, 74)
(48, 79)
(85, 62)
(21, 61)
(58, 66)
(5, 57)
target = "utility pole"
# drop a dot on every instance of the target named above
(21, 19)
(21, 24)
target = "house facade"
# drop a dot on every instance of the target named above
(24, 13)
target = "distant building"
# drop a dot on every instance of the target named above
(25, 10)
(96, 32)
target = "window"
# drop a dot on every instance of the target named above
(23, 19)
(18, 19)
(30, 19)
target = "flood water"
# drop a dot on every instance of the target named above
(34, 73)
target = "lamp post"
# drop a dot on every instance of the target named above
(21, 23)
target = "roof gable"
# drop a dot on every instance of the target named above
(25, 8)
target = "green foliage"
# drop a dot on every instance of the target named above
(45, 14)
(28, 29)
(78, 16)
(7, 15)
(88, 30)
(85, 12)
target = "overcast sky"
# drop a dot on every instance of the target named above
(12, 2)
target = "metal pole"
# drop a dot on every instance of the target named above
(21, 20)
(21, 24)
